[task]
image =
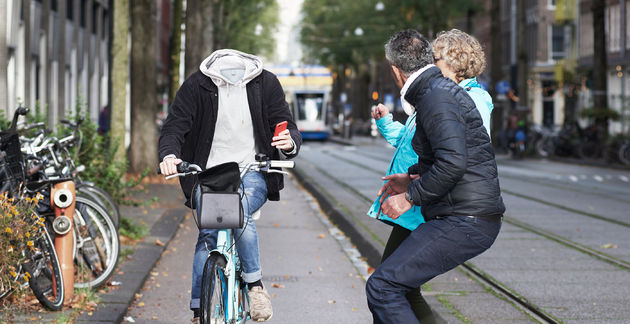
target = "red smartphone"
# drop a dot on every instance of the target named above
(281, 126)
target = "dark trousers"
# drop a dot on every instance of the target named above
(431, 249)
(420, 308)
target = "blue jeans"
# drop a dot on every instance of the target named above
(247, 244)
(433, 248)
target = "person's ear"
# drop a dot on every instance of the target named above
(398, 76)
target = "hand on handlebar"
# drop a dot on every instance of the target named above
(169, 166)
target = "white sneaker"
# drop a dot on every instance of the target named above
(259, 304)
(256, 215)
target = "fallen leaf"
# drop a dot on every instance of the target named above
(276, 285)
(332, 302)
(90, 314)
(286, 277)
(609, 246)
(321, 236)
(370, 270)
(275, 224)
(154, 317)
(354, 309)
(155, 273)
(165, 274)
(159, 243)
(141, 304)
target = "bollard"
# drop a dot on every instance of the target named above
(62, 199)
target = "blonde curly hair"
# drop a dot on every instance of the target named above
(461, 52)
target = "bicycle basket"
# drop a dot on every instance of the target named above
(14, 166)
(220, 203)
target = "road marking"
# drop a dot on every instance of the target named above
(573, 178)
(598, 178)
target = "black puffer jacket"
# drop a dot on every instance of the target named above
(458, 172)
(189, 127)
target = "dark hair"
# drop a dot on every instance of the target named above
(409, 51)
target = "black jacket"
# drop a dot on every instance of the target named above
(189, 127)
(458, 172)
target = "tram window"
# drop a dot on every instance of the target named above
(309, 106)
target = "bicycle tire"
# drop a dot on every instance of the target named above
(106, 200)
(213, 290)
(97, 244)
(624, 154)
(46, 280)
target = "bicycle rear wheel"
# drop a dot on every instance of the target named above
(97, 244)
(213, 290)
(43, 265)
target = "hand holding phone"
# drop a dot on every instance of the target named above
(280, 127)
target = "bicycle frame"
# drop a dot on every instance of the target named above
(226, 247)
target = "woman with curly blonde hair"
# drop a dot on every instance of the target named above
(460, 57)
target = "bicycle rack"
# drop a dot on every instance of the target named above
(63, 202)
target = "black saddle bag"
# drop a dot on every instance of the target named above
(220, 201)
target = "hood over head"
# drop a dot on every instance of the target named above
(231, 67)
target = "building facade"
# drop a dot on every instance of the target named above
(56, 56)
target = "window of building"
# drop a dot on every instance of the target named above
(69, 10)
(557, 42)
(551, 4)
(82, 15)
(613, 23)
(586, 34)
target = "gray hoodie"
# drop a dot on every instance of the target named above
(233, 140)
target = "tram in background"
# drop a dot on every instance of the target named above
(307, 90)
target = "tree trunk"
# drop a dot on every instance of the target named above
(119, 76)
(600, 68)
(522, 59)
(175, 48)
(143, 149)
(61, 60)
(199, 33)
(26, 11)
(496, 74)
(4, 90)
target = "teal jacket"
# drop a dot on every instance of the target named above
(482, 100)
(399, 136)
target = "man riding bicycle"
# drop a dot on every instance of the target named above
(227, 111)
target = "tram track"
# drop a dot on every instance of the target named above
(477, 274)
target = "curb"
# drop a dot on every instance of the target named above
(370, 250)
(132, 273)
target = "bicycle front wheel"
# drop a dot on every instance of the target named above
(103, 197)
(213, 290)
(43, 265)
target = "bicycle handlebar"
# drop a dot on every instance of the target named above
(186, 169)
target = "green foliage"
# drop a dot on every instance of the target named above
(600, 114)
(328, 26)
(132, 230)
(19, 226)
(245, 25)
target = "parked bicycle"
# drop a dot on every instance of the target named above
(40, 265)
(224, 296)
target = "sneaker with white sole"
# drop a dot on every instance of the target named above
(259, 304)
